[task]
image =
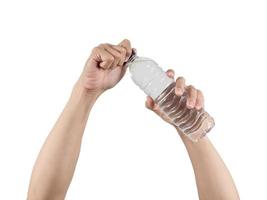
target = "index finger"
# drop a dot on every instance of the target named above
(180, 86)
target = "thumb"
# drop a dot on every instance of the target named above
(127, 45)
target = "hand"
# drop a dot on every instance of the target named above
(194, 99)
(104, 68)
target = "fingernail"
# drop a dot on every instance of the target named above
(189, 104)
(198, 107)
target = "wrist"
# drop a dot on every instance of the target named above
(82, 97)
(83, 92)
(190, 145)
(183, 137)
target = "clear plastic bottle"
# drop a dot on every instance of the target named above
(147, 74)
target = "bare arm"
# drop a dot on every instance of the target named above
(57, 159)
(212, 177)
(55, 165)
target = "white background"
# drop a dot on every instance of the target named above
(128, 152)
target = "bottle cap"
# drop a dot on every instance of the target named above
(132, 57)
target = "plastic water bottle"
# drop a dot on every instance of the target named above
(147, 74)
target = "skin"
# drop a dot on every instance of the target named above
(213, 179)
(55, 164)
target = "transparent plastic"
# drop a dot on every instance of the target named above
(147, 74)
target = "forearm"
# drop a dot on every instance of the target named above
(212, 176)
(57, 159)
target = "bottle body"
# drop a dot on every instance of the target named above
(192, 122)
(147, 74)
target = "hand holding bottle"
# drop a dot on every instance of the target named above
(194, 100)
(104, 68)
(184, 110)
